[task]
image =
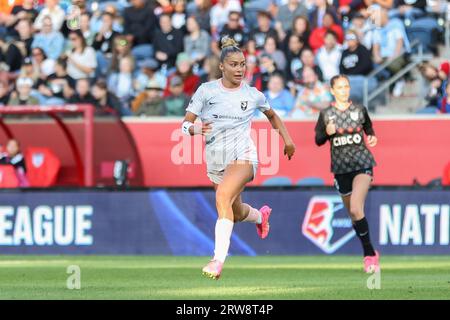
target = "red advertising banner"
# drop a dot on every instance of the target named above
(408, 149)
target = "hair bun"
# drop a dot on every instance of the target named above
(228, 42)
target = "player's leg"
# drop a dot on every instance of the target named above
(246, 213)
(235, 177)
(343, 183)
(241, 211)
(361, 185)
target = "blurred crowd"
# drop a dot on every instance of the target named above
(147, 57)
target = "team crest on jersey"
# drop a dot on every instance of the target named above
(327, 224)
(244, 105)
(354, 115)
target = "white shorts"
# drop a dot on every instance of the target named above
(217, 176)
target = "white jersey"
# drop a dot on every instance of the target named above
(230, 112)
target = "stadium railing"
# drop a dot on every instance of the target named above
(384, 86)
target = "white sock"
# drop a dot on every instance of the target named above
(224, 228)
(254, 216)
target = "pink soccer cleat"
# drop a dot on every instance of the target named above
(213, 269)
(263, 227)
(372, 263)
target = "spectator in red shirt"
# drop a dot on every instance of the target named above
(316, 40)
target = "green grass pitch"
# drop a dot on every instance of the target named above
(265, 277)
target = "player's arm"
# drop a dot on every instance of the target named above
(188, 127)
(321, 131)
(193, 110)
(368, 129)
(277, 124)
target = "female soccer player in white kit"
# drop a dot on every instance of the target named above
(226, 108)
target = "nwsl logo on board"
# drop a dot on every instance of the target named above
(327, 224)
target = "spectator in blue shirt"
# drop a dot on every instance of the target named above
(279, 98)
(52, 42)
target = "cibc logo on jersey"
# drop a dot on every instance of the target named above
(327, 224)
(348, 139)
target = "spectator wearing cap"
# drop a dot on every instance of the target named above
(184, 70)
(22, 96)
(233, 29)
(106, 101)
(10, 56)
(258, 35)
(51, 41)
(287, 13)
(29, 70)
(317, 37)
(197, 42)
(168, 42)
(150, 102)
(312, 97)
(176, 102)
(219, 14)
(121, 83)
(82, 59)
(139, 24)
(24, 37)
(329, 56)
(58, 87)
(52, 9)
(83, 93)
(279, 98)
(356, 63)
(148, 71)
(103, 43)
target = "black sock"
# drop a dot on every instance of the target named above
(362, 231)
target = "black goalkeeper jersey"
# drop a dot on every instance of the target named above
(348, 150)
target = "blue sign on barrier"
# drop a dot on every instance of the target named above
(181, 222)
